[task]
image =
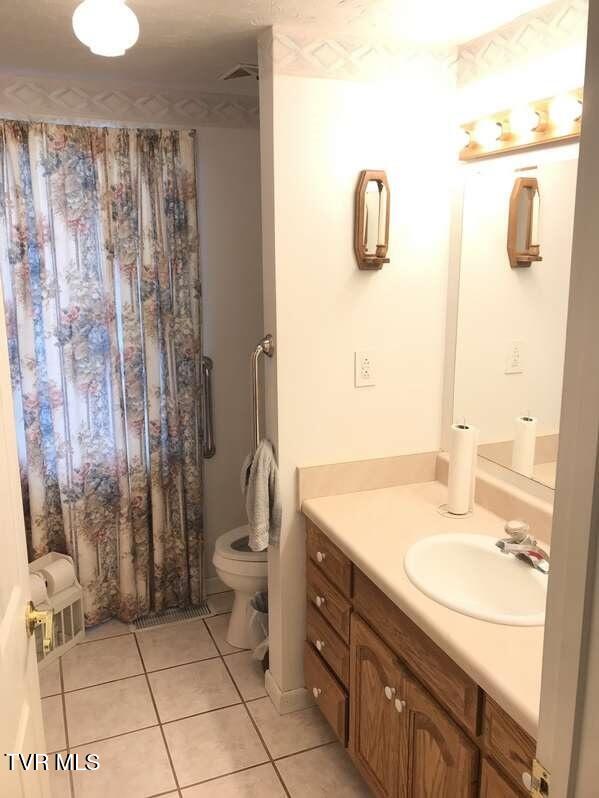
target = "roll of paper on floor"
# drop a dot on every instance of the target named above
(462, 468)
(525, 442)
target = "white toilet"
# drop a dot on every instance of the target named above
(244, 571)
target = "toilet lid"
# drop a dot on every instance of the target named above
(233, 545)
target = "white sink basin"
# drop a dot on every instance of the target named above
(469, 574)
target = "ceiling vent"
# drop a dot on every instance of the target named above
(240, 71)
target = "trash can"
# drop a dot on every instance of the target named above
(258, 626)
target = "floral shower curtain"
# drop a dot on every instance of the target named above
(100, 274)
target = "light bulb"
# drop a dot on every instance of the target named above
(524, 120)
(463, 139)
(565, 110)
(488, 132)
(107, 27)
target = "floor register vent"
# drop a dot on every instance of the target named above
(171, 616)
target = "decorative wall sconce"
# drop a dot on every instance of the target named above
(373, 200)
(542, 122)
(523, 247)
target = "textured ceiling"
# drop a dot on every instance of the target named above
(193, 41)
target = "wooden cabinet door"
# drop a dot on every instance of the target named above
(492, 785)
(374, 721)
(437, 760)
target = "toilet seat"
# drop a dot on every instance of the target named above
(230, 546)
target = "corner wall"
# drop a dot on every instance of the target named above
(317, 134)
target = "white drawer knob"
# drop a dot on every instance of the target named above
(320, 556)
(316, 691)
(527, 780)
(319, 601)
(320, 644)
(400, 705)
(389, 692)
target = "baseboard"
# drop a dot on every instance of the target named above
(215, 585)
(289, 700)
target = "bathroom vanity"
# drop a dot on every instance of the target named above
(415, 722)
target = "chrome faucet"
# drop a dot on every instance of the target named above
(520, 543)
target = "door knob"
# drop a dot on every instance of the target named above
(320, 645)
(316, 691)
(44, 618)
(389, 692)
(400, 705)
(320, 556)
(319, 601)
(527, 780)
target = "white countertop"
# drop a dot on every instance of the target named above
(375, 529)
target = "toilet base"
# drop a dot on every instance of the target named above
(239, 633)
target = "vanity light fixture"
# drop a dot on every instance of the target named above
(524, 120)
(565, 110)
(551, 120)
(107, 27)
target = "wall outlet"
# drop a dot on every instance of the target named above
(515, 358)
(364, 375)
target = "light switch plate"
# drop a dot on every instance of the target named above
(514, 363)
(364, 369)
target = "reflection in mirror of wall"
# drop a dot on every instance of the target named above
(523, 246)
(511, 325)
(372, 220)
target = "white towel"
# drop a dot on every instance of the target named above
(260, 485)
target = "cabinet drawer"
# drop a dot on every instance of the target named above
(493, 785)
(329, 559)
(446, 681)
(329, 602)
(330, 697)
(507, 742)
(328, 643)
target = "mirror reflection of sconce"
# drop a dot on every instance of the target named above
(523, 227)
(372, 220)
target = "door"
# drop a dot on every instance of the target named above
(437, 759)
(374, 719)
(21, 729)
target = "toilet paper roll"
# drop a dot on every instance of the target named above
(462, 468)
(59, 575)
(525, 442)
(39, 593)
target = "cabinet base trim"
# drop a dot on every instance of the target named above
(286, 701)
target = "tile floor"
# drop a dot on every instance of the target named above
(176, 711)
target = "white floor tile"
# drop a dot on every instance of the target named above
(248, 674)
(175, 644)
(50, 679)
(288, 734)
(100, 661)
(321, 773)
(220, 602)
(107, 629)
(260, 782)
(214, 744)
(54, 723)
(190, 689)
(219, 626)
(109, 709)
(132, 766)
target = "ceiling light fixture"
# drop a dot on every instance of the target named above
(107, 27)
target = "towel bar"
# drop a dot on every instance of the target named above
(208, 447)
(266, 347)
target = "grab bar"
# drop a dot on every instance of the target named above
(208, 447)
(266, 347)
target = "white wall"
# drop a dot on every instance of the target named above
(499, 305)
(230, 249)
(317, 135)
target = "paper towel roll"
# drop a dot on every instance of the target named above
(525, 441)
(462, 468)
(59, 575)
(39, 593)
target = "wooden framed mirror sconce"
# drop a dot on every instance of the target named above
(523, 246)
(371, 237)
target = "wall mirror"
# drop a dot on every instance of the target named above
(524, 222)
(372, 220)
(511, 323)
